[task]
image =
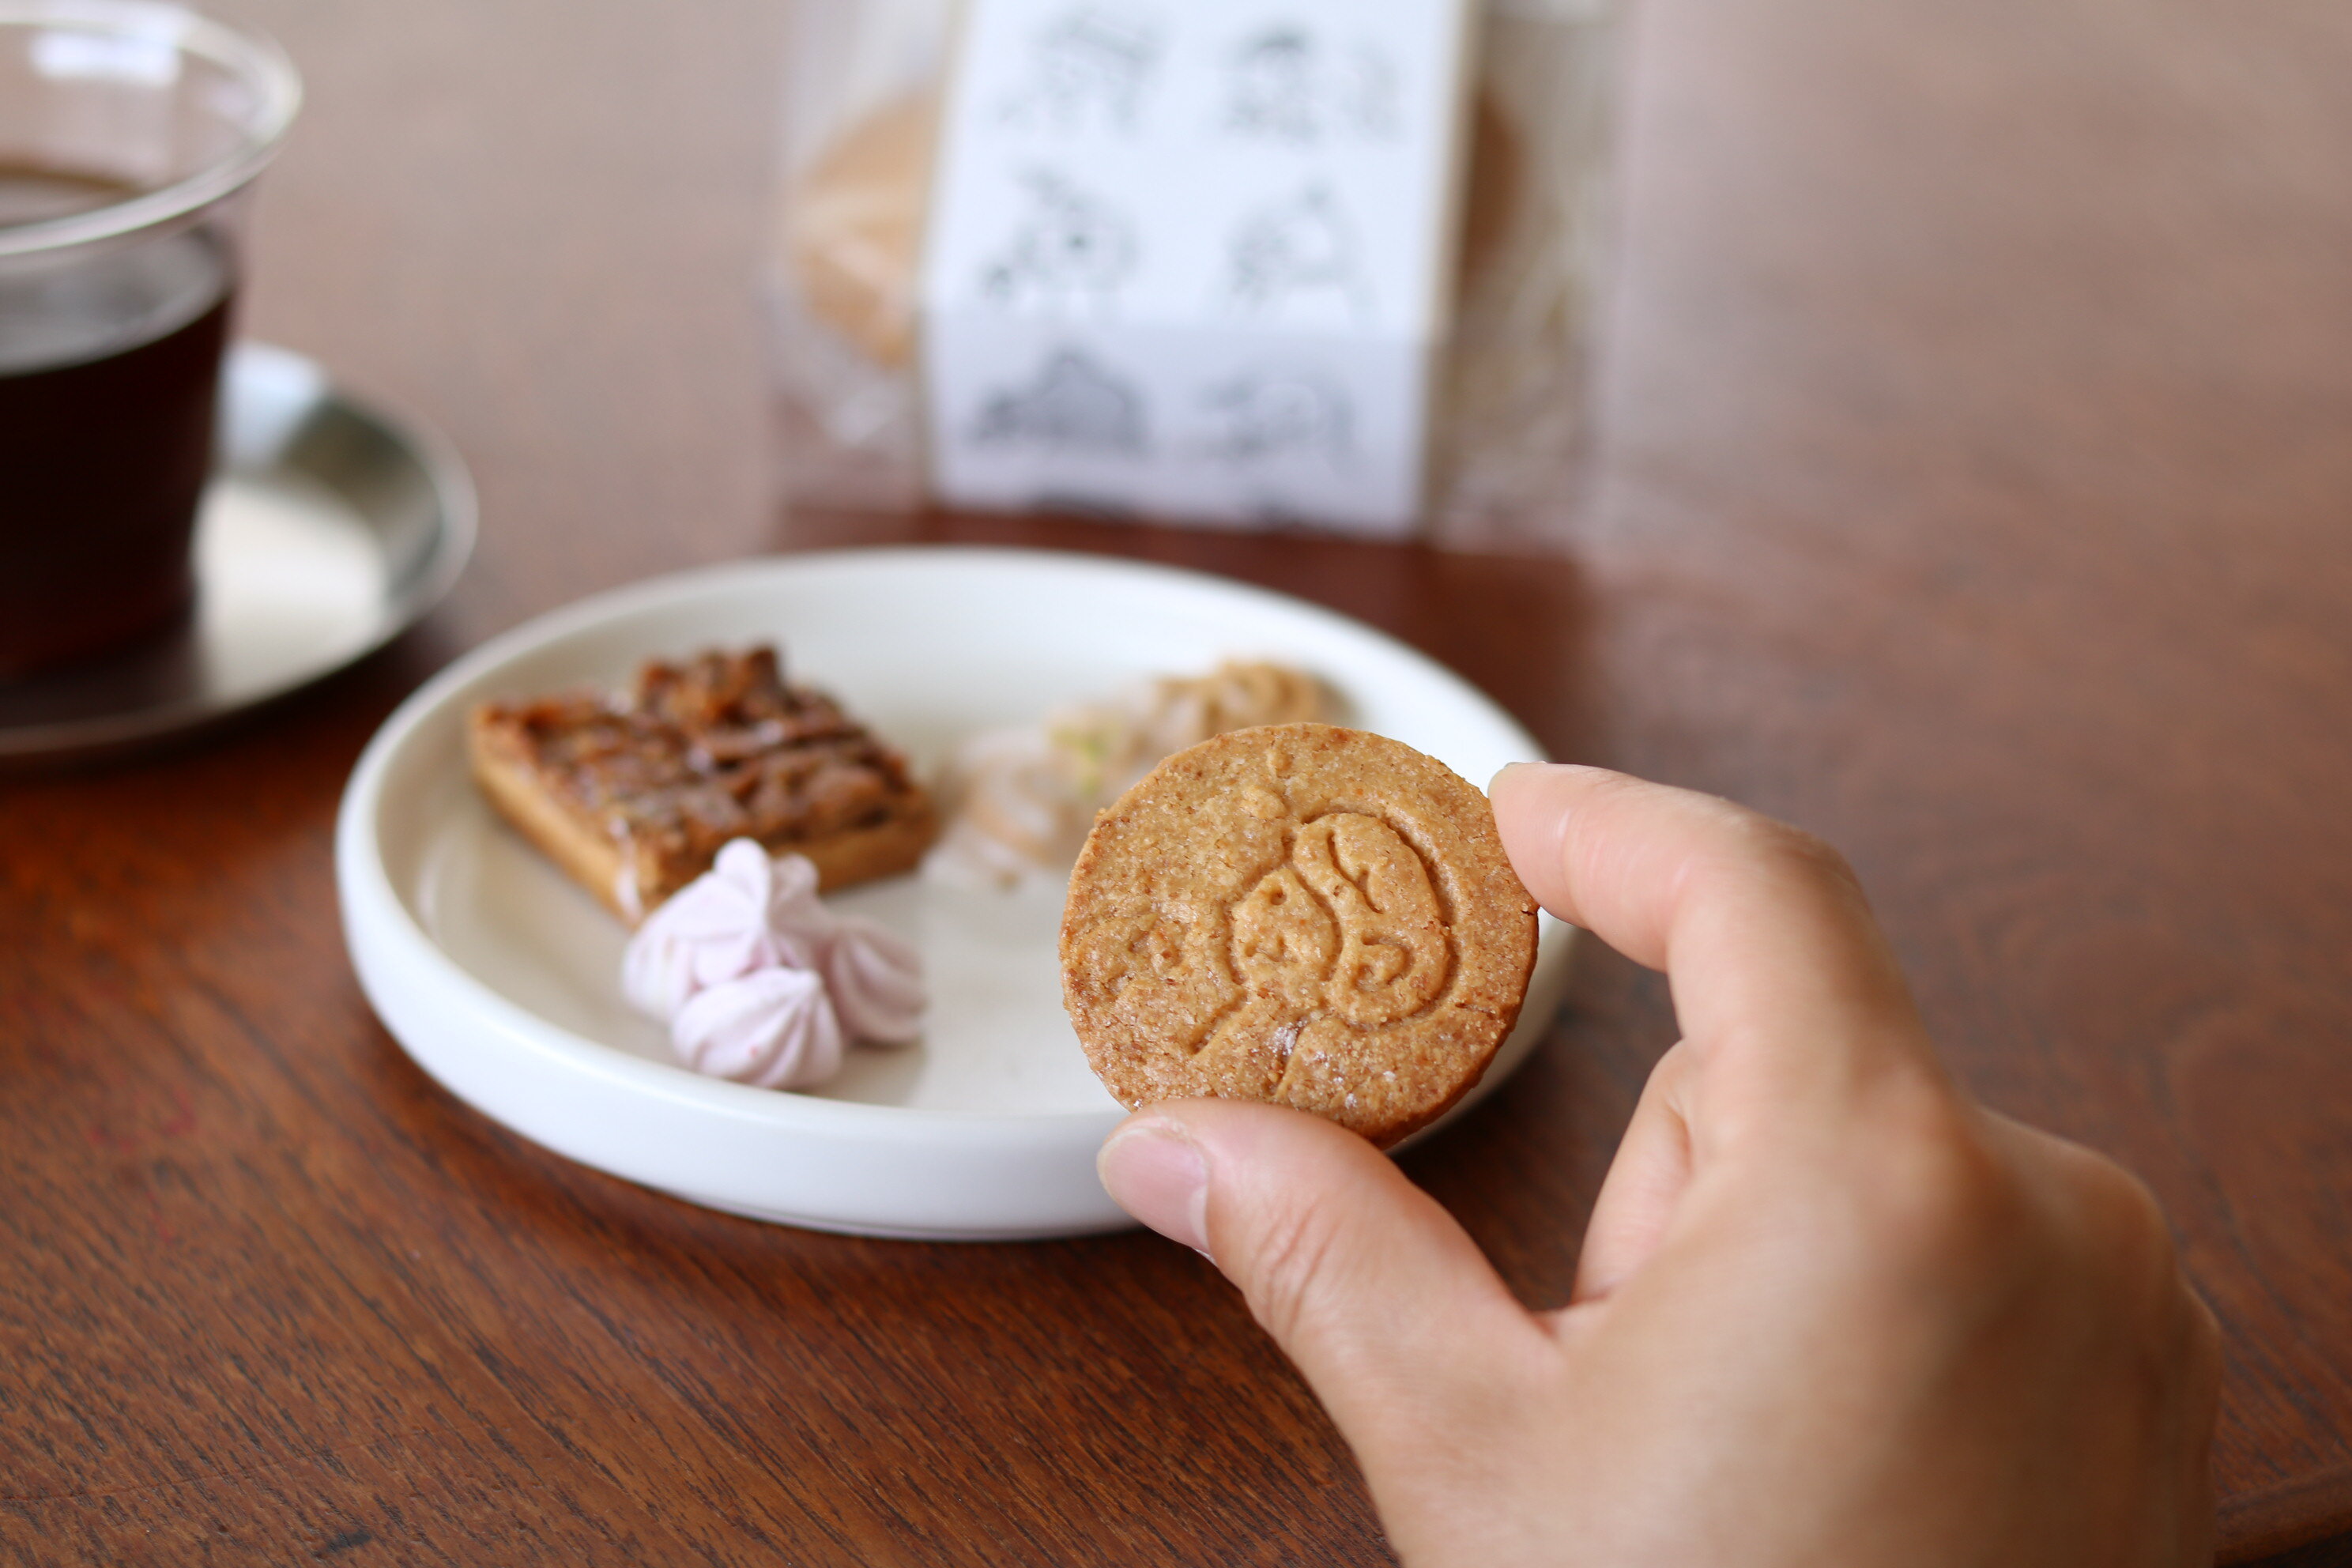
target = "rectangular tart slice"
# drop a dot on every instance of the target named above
(633, 792)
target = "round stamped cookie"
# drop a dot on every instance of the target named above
(1303, 914)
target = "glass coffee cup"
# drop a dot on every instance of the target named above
(129, 135)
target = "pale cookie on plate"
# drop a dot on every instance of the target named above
(1303, 914)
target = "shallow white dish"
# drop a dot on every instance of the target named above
(501, 978)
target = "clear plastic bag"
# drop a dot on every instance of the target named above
(862, 99)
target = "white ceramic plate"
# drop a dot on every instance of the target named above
(501, 978)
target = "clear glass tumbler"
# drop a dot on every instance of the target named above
(129, 133)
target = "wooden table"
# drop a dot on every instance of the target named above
(1976, 488)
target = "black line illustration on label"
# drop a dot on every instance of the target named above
(1073, 248)
(1072, 406)
(1298, 257)
(1287, 84)
(1089, 69)
(1264, 415)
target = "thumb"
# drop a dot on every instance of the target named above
(1380, 1299)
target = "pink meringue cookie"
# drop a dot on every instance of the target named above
(747, 912)
(877, 981)
(763, 985)
(774, 1028)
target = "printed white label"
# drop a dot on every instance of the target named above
(1194, 260)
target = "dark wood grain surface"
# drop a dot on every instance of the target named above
(1975, 488)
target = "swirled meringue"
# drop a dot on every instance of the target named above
(760, 982)
(875, 978)
(774, 1028)
(747, 912)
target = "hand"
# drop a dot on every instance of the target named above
(1829, 1310)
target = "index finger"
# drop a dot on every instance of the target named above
(1771, 952)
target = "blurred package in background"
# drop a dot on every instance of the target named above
(1247, 263)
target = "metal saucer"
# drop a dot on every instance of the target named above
(328, 528)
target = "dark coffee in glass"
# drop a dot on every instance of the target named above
(130, 132)
(107, 375)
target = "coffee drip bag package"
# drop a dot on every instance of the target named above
(1244, 263)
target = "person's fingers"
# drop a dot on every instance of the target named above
(1773, 952)
(1645, 1182)
(1389, 1309)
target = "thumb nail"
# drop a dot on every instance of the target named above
(1505, 770)
(1154, 1171)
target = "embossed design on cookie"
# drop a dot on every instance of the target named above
(1393, 961)
(1157, 958)
(1347, 931)
(1284, 943)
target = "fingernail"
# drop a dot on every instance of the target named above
(1156, 1173)
(1506, 769)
